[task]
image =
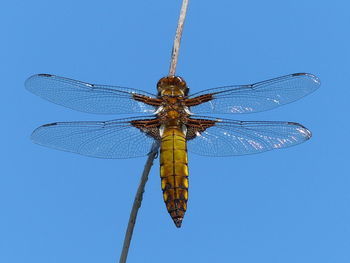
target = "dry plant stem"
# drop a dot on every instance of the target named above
(153, 153)
(176, 46)
(137, 202)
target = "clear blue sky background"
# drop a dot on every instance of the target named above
(287, 206)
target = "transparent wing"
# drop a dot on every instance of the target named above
(108, 139)
(87, 97)
(257, 97)
(229, 137)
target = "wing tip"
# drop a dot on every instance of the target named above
(302, 130)
(313, 77)
(46, 75)
(27, 82)
(37, 130)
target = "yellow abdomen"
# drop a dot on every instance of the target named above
(174, 172)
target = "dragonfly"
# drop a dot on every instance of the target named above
(171, 119)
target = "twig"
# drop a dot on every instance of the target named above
(137, 202)
(154, 151)
(176, 46)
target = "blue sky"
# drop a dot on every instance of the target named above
(289, 205)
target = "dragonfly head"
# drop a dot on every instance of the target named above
(172, 86)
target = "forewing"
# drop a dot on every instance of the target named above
(257, 97)
(108, 139)
(229, 137)
(87, 97)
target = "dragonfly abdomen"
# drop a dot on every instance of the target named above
(174, 172)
